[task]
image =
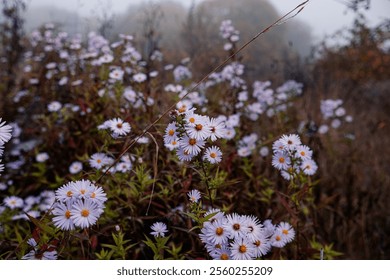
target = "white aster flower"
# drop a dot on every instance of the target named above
(304, 152)
(65, 193)
(13, 202)
(287, 231)
(85, 213)
(158, 229)
(264, 151)
(62, 215)
(170, 133)
(117, 74)
(81, 188)
(5, 132)
(255, 228)
(119, 127)
(262, 246)
(54, 106)
(98, 195)
(230, 133)
(278, 239)
(235, 226)
(191, 145)
(218, 129)
(199, 129)
(123, 166)
(42, 157)
(309, 167)
(323, 129)
(215, 233)
(139, 77)
(290, 142)
(99, 160)
(183, 155)
(223, 253)
(194, 196)
(242, 249)
(213, 154)
(75, 167)
(281, 161)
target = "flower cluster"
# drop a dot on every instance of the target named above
(181, 72)
(32, 205)
(228, 32)
(78, 204)
(333, 110)
(190, 131)
(247, 144)
(292, 158)
(241, 237)
(5, 136)
(45, 252)
(269, 101)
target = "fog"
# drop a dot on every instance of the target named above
(178, 38)
(323, 16)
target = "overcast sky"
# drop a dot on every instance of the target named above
(324, 16)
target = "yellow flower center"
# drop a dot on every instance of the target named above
(67, 214)
(224, 257)
(85, 212)
(219, 231)
(218, 246)
(278, 238)
(191, 120)
(257, 243)
(171, 132)
(82, 191)
(192, 141)
(303, 153)
(99, 161)
(213, 155)
(69, 194)
(174, 142)
(285, 231)
(236, 226)
(119, 125)
(282, 160)
(93, 195)
(242, 249)
(198, 127)
(182, 109)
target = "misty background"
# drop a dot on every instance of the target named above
(190, 28)
(323, 16)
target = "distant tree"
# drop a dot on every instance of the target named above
(265, 58)
(151, 20)
(362, 59)
(105, 19)
(356, 5)
(11, 34)
(154, 24)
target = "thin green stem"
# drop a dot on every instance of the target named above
(207, 182)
